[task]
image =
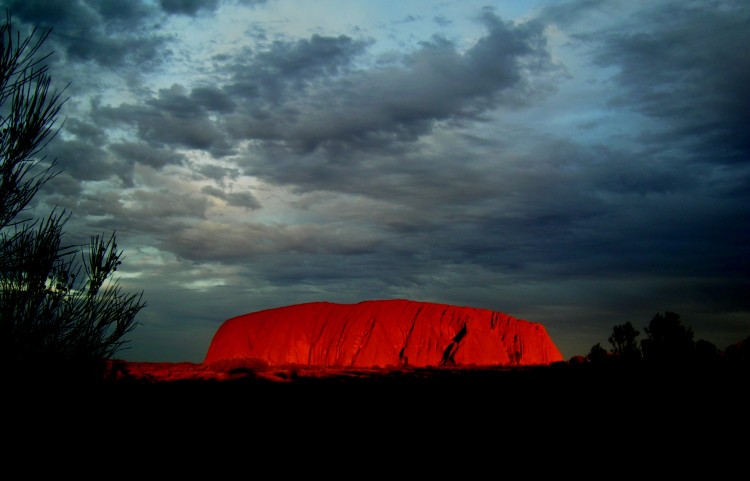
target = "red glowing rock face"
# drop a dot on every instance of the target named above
(381, 334)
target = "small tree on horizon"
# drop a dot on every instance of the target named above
(624, 343)
(60, 307)
(669, 342)
(597, 354)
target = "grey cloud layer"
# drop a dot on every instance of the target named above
(320, 122)
(305, 94)
(411, 174)
(687, 64)
(110, 33)
(173, 119)
(367, 108)
(195, 7)
(238, 199)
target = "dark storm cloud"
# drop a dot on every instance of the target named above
(164, 204)
(85, 161)
(290, 64)
(666, 215)
(685, 63)
(584, 210)
(157, 158)
(62, 190)
(195, 7)
(179, 117)
(237, 199)
(217, 172)
(379, 107)
(104, 204)
(111, 34)
(320, 55)
(245, 241)
(172, 119)
(175, 101)
(430, 210)
(346, 282)
(119, 12)
(158, 214)
(188, 7)
(85, 131)
(86, 153)
(213, 99)
(297, 96)
(565, 13)
(558, 210)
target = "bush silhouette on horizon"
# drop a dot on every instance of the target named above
(62, 314)
(624, 343)
(669, 344)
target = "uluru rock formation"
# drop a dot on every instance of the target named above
(382, 333)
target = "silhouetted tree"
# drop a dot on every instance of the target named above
(60, 308)
(624, 344)
(706, 353)
(598, 355)
(27, 113)
(738, 354)
(669, 341)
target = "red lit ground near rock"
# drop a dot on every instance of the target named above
(380, 334)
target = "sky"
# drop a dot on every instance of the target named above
(578, 163)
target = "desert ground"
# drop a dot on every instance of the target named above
(153, 409)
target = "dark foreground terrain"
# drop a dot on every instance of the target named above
(568, 421)
(560, 419)
(252, 389)
(552, 404)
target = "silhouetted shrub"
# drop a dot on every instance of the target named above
(61, 311)
(669, 342)
(598, 355)
(706, 353)
(738, 354)
(624, 344)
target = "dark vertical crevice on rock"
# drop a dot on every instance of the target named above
(457, 338)
(450, 351)
(512, 350)
(447, 359)
(339, 341)
(517, 354)
(315, 341)
(402, 360)
(447, 356)
(442, 314)
(365, 339)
